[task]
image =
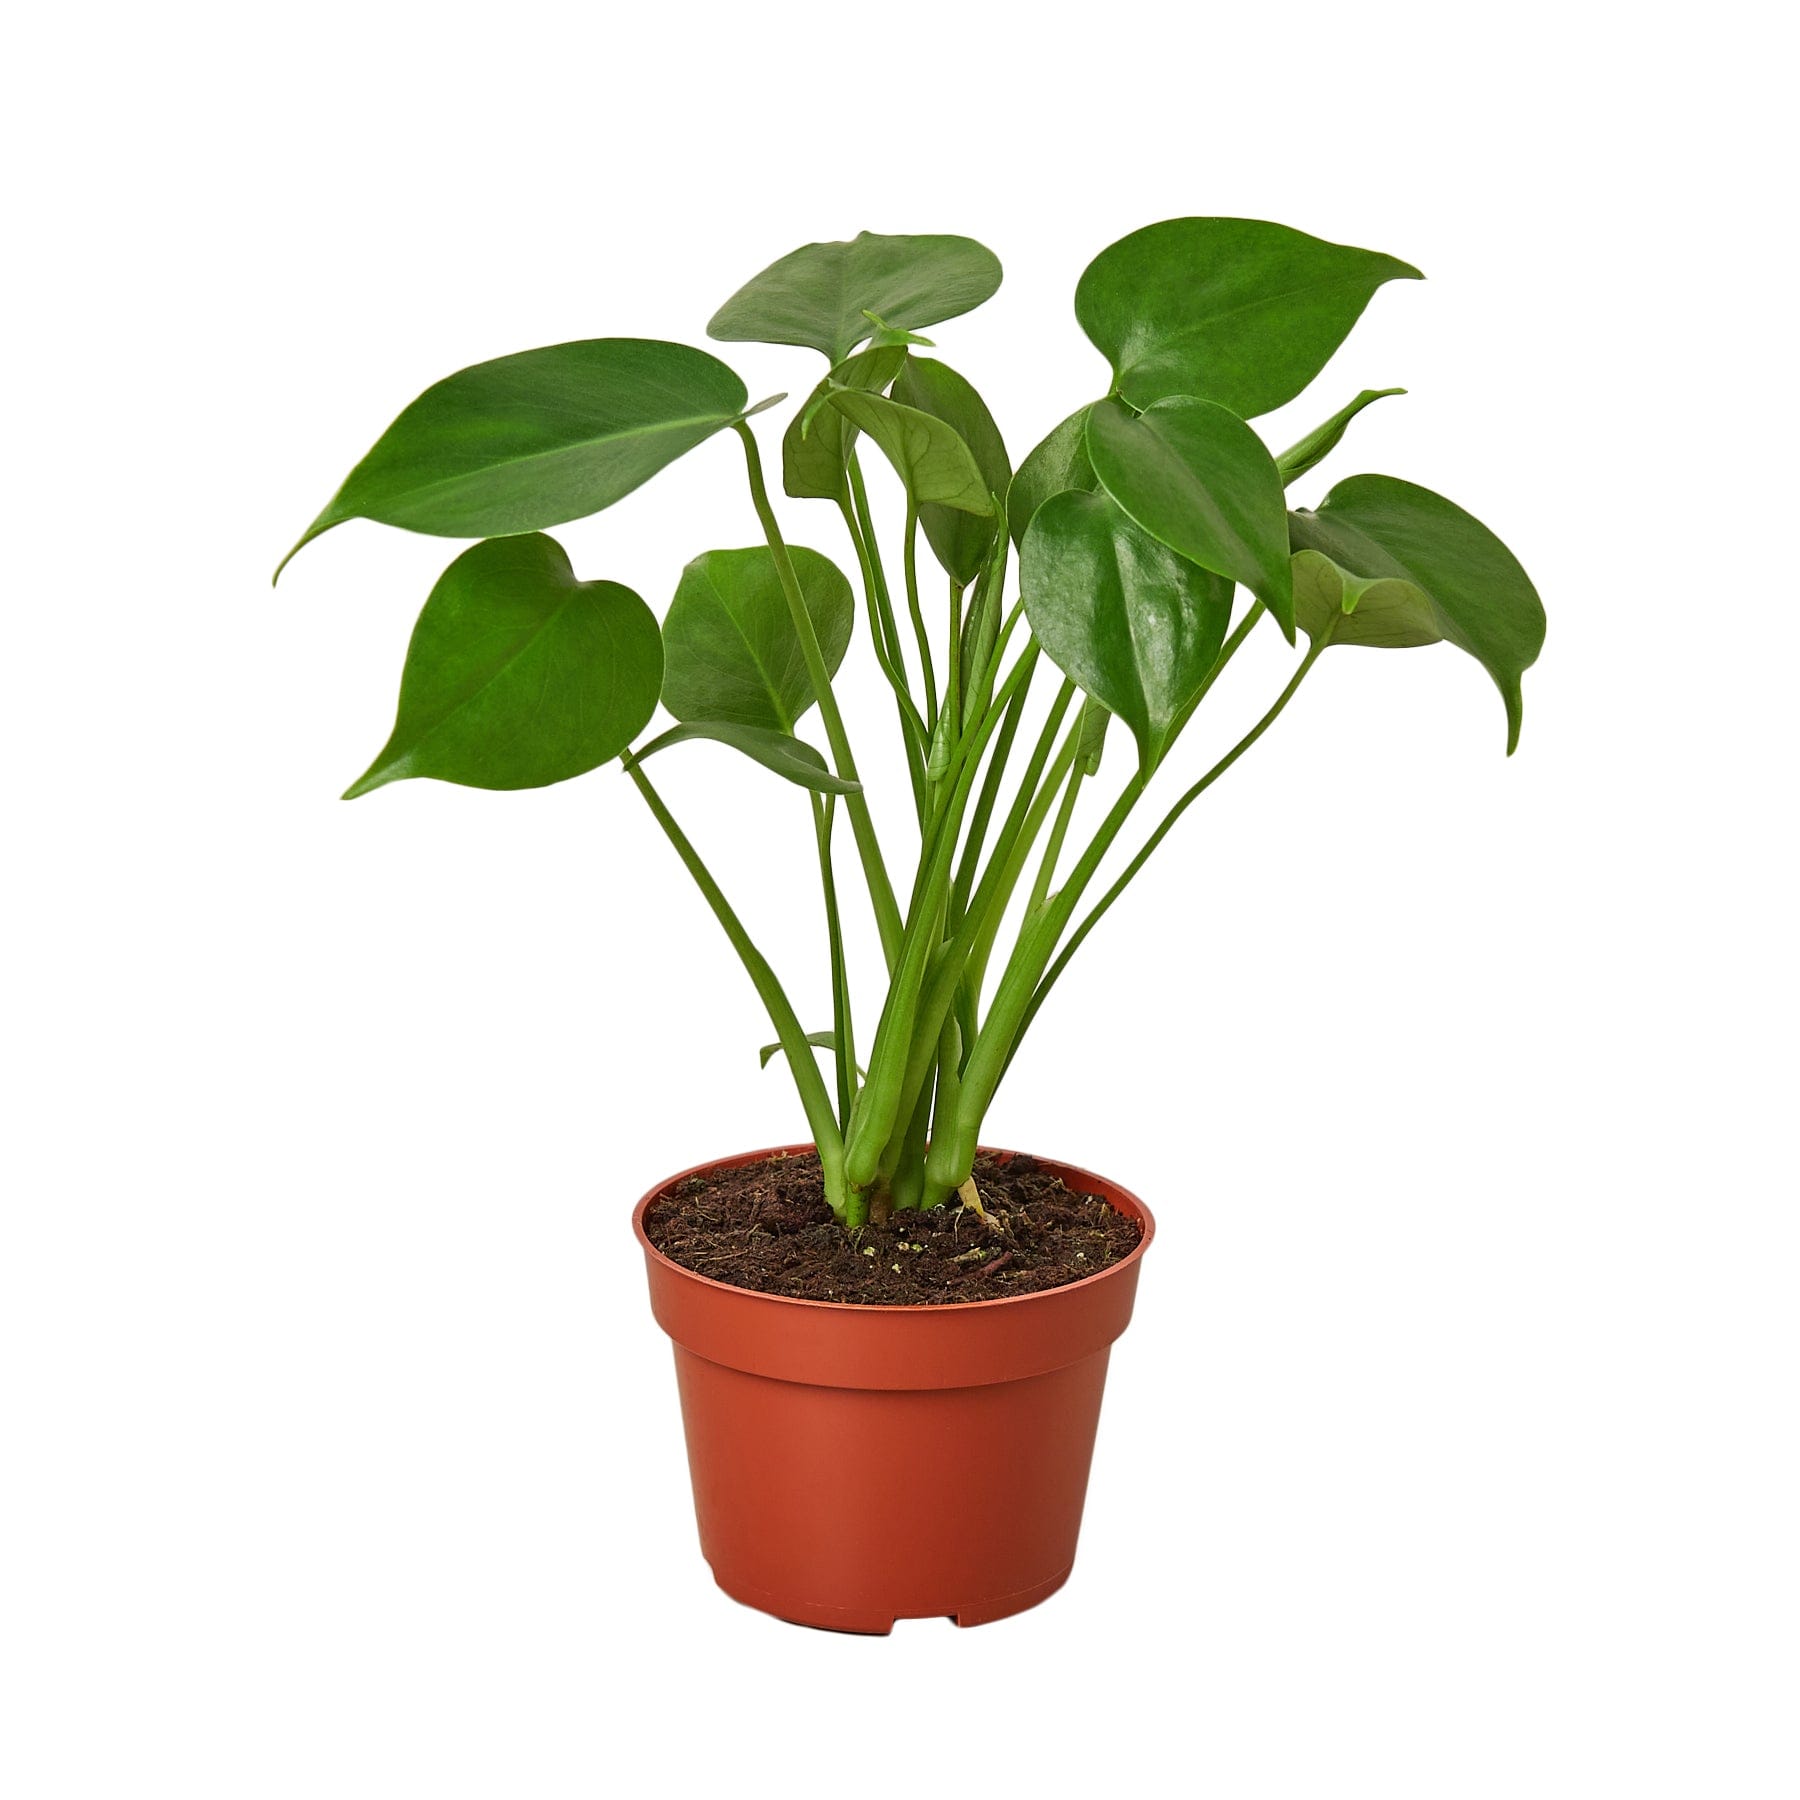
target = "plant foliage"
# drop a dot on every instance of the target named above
(1151, 534)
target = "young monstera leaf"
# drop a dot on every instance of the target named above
(933, 463)
(1198, 479)
(1237, 311)
(537, 439)
(831, 297)
(815, 449)
(731, 654)
(1319, 443)
(960, 540)
(1125, 618)
(1395, 565)
(518, 675)
(1058, 465)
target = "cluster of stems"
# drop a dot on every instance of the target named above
(899, 1129)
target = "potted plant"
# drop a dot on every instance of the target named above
(891, 1344)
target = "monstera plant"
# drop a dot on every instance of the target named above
(1100, 588)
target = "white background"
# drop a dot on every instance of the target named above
(1453, 1451)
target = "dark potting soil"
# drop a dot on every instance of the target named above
(766, 1226)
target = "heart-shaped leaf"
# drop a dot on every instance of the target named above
(830, 297)
(1237, 311)
(931, 460)
(790, 757)
(519, 675)
(1380, 529)
(1198, 479)
(1383, 614)
(537, 439)
(1058, 465)
(1319, 443)
(1124, 617)
(960, 540)
(815, 450)
(731, 655)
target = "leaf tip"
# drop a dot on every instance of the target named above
(322, 524)
(378, 774)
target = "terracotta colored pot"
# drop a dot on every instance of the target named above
(854, 1465)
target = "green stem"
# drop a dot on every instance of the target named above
(920, 634)
(845, 1050)
(881, 892)
(984, 807)
(813, 1095)
(906, 1184)
(878, 1106)
(953, 1151)
(1053, 844)
(912, 727)
(958, 967)
(953, 679)
(1094, 917)
(865, 520)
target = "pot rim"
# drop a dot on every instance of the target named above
(738, 1159)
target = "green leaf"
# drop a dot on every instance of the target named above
(1384, 614)
(1319, 444)
(815, 450)
(731, 654)
(1466, 587)
(960, 540)
(537, 439)
(1058, 465)
(1237, 311)
(930, 459)
(787, 756)
(821, 296)
(820, 1040)
(1198, 479)
(1131, 623)
(519, 675)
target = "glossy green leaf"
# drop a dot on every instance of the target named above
(534, 440)
(785, 755)
(1319, 443)
(1383, 613)
(519, 675)
(1198, 479)
(1236, 311)
(1131, 623)
(932, 462)
(1058, 465)
(822, 296)
(960, 540)
(731, 654)
(1468, 588)
(815, 449)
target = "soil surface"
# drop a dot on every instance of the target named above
(766, 1227)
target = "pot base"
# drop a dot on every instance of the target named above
(864, 1623)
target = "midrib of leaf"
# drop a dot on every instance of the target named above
(449, 483)
(529, 643)
(756, 660)
(1231, 312)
